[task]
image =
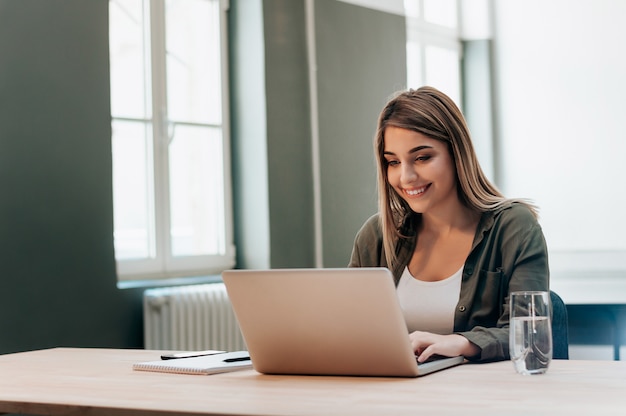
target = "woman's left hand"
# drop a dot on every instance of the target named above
(426, 344)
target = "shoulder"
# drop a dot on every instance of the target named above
(515, 213)
(368, 245)
(371, 228)
(513, 221)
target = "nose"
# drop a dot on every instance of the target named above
(408, 173)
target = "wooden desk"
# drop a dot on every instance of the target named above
(66, 381)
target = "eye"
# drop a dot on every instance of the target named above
(422, 158)
(392, 162)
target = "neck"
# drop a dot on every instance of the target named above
(454, 217)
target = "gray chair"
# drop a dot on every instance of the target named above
(560, 337)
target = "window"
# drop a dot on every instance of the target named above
(433, 46)
(171, 183)
(564, 147)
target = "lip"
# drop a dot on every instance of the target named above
(415, 192)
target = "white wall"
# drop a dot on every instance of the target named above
(560, 95)
(389, 6)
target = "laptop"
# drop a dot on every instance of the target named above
(343, 322)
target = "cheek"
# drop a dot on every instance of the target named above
(449, 176)
(444, 171)
(393, 177)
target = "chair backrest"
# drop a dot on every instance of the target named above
(560, 337)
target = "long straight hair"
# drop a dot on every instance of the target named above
(432, 113)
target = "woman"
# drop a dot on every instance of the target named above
(456, 247)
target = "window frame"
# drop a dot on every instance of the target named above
(164, 265)
(424, 34)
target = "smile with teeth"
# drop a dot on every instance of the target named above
(416, 191)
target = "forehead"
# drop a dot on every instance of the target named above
(399, 140)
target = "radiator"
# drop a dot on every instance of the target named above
(190, 318)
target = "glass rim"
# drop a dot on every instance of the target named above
(529, 292)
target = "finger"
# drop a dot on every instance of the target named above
(425, 354)
(419, 347)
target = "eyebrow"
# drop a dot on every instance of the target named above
(415, 149)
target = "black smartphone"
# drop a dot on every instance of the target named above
(189, 354)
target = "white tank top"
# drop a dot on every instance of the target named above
(429, 306)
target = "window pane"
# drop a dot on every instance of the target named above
(414, 64)
(412, 8)
(129, 55)
(196, 191)
(441, 12)
(442, 71)
(193, 61)
(132, 190)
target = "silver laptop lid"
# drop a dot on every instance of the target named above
(322, 321)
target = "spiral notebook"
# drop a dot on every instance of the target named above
(203, 365)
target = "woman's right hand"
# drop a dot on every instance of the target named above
(427, 344)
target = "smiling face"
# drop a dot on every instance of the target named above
(420, 170)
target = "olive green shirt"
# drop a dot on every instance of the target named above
(508, 254)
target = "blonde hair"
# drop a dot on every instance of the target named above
(432, 113)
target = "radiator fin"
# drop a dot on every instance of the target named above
(190, 318)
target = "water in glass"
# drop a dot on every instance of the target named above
(531, 344)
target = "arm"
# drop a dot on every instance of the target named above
(512, 256)
(367, 250)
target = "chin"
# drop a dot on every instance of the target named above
(417, 209)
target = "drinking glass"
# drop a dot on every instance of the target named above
(530, 336)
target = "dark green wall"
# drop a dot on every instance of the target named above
(57, 269)
(249, 134)
(360, 61)
(289, 134)
(271, 140)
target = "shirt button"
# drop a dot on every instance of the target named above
(461, 308)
